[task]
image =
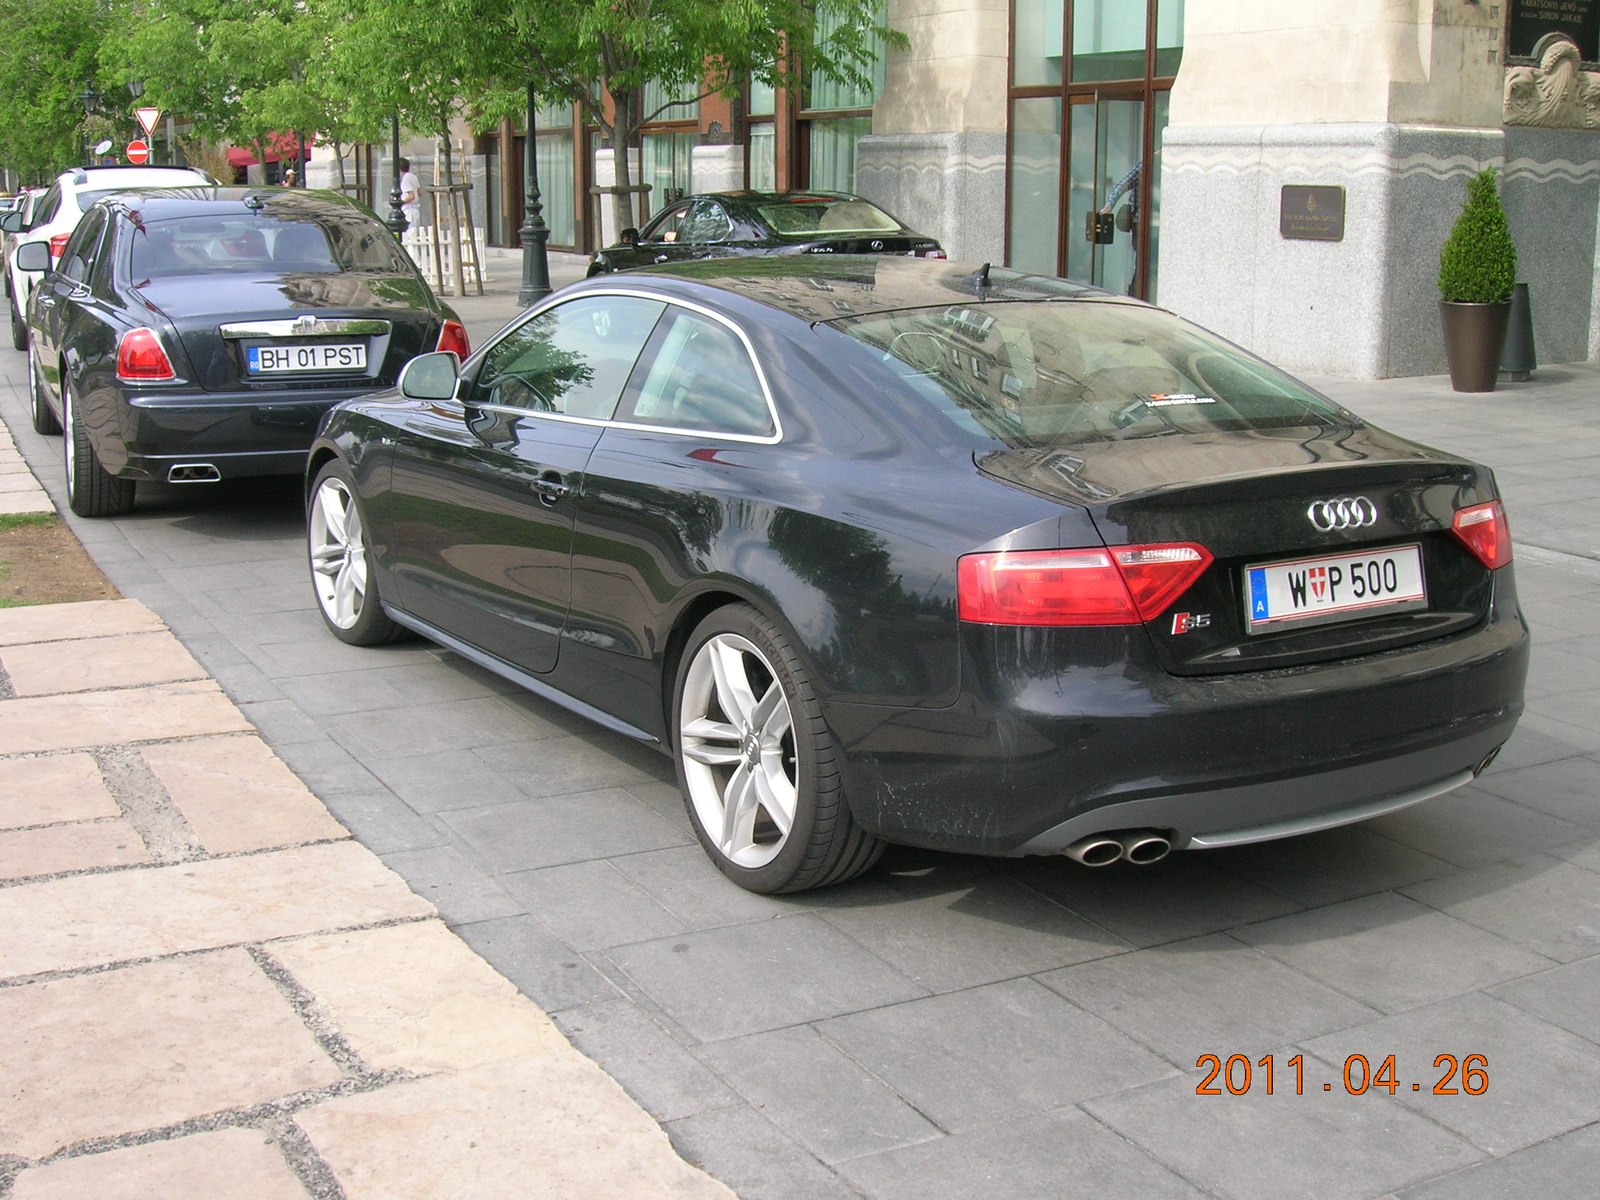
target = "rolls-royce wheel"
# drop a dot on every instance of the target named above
(341, 558)
(758, 768)
(92, 491)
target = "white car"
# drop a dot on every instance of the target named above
(57, 212)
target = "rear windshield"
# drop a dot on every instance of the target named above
(1041, 374)
(255, 243)
(805, 216)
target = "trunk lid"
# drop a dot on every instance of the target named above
(1247, 496)
(393, 316)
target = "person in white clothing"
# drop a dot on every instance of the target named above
(410, 195)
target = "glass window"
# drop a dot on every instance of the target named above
(822, 92)
(680, 102)
(572, 359)
(763, 158)
(1041, 375)
(706, 223)
(1169, 36)
(832, 145)
(1107, 40)
(1035, 183)
(668, 227)
(762, 99)
(80, 248)
(1161, 104)
(46, 211)
(701, 377)
(667, 164)
(1037, 42)
(555, 184)
(805, 216)
(261, 243)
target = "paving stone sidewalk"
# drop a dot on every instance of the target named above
(207, 989)
(19, 490)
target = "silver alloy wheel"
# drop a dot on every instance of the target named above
(69, 429)
(738, 750)
(338, 554)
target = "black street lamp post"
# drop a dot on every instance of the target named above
(534, 232)
(89, 98)
(396, 220)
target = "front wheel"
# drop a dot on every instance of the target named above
(19, 327)
(92, 491)
(44, 421)
(341, 562)
(757, 766)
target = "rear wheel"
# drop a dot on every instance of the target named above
(756, 763)
(92, 491)
(19, 327)
(341, 557)
(44, 421)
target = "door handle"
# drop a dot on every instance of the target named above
(660, 258)
(550, 489)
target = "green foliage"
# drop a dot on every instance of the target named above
(1478, 264)
(47, 51)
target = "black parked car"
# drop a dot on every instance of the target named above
(200, 334)
(903, 551)
(731, 224)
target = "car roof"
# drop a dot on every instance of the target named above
(828, 287)
(100, 178)
(165, 203)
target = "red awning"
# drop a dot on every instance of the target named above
(279, 147)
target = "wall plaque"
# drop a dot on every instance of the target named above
(1531, 20)
(1313, 213)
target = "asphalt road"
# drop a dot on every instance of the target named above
(954, 1027)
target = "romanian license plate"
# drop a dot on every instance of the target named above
(1333, 587)
(291, 360)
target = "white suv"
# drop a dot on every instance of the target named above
(57, 213)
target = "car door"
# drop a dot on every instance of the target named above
(55, 308)
(706, 230)
(484, 487)
(663, 239)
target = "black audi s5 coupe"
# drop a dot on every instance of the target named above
(199, 334)
(746, 224)
(888, 550)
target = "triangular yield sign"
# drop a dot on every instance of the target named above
(148, 118)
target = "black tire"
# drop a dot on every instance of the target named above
(824, 845)
(92, 491)
(44, 420)
(19, 327)
(364, 623)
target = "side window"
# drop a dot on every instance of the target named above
(573, 359)
(668, 227)
(46, 210)
(700, 377)
(706, 223)
(78, 254)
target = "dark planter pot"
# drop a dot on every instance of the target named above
(1474, 336)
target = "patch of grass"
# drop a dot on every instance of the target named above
(25, 520)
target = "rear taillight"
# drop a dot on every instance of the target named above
(141, 358)
(935, 253)
(1122, 585)
(1483, 530)
(58, 243)
(453, 337)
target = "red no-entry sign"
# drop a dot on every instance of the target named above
(138, 151)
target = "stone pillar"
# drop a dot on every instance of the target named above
(936, 157)
(1396, 101)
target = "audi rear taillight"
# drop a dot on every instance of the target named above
(1120, 585)
(58, 243)
(142, 359)
(453, 338)
(1483, 530)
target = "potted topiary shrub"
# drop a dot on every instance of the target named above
(1477, 270)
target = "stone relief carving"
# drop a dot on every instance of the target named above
(1557, 93)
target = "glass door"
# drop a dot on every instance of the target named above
(1104, 191)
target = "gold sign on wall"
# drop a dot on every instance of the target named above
(1311, 213)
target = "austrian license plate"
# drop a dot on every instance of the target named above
(291, 360)
(1333, 587)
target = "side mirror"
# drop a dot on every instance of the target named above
(33, 256)
(431, 376)
(630, 237)
(11, 222)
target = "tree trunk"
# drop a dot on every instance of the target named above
(624, 132)
(338, 157)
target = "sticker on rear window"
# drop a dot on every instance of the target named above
(1165, 401)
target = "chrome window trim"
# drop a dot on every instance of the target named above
(761, 439)
(305, 327)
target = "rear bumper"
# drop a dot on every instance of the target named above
(1061, 734)
(257, 435)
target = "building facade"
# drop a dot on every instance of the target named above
(1155, 148)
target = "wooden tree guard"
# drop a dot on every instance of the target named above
(463, 253)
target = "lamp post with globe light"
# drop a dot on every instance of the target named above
(396, 220)
(534, 232)
(90, 99)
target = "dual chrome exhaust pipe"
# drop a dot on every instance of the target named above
(1139, 846)
(193, 473)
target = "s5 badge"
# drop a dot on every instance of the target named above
(1184, 622)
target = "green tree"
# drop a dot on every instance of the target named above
(50, 48)
(1478, 264)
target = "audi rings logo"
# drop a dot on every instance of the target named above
(1348, 512)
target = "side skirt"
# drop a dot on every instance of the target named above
(519, 677)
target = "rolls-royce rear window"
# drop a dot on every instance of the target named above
(259, 243)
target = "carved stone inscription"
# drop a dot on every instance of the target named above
(1312, 213)
(1533, 19)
